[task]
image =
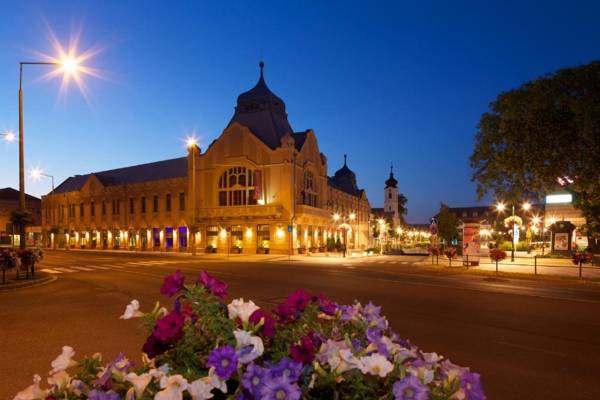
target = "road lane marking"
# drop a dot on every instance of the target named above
(98, 267)
(64, 269)
(51, 271)
(83, 268)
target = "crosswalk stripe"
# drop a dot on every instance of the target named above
(51, 271)
(64, 269)
(98, 267)
(83, 268)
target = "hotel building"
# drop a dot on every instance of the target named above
(259, 187)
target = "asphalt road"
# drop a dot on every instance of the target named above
(529, 339)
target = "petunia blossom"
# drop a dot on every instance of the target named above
(200, 389)
(132, 310)
(238, 308)
(139, 382)
(172, 284)
(249, 347)
(64, 360)
(410, 388)
(376, 364)
(213, 285)
(304, 351)
(169, 327)
(172, 388)
(32, 392)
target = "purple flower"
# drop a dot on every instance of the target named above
(120, 363)
(299, 299)
(169, 327)
(154, 347)
(280, 388)
(349, 312)
(213, 285)
(410, 388)
(285, 312)
(287, 368)
(326, 305)
(303, 352)
(100, 395)
(253, 379)
(224, 360)
(172, 284)
(268, 327)
(471, 384)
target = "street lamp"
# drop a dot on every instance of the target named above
(344, 226)
(500, 207)
(9, 136)
(192, 144)
(37, 173)
(69, 66)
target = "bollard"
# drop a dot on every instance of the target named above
(467, 261)
(535, 264)
(580, 264)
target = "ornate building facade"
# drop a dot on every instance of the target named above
(258, 188)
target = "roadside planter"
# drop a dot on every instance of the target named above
(309, 347)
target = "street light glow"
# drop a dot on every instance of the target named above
(535, 220)
(191, 141)
(526, 206)
(36, 173)
(336, 217)
(500, 207)
(9, 136)
(352, 216)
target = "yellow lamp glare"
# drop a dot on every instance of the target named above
(223, 234)
(249, 233)
(260, 202)
(336, 217)
(36, 173)
(191, 141)
(399, 231)
(526, 206)
(535, 220)
(69, 65)
(279, 233)
(500, 207)
(9, 136)
(352, 216)
(381, 221)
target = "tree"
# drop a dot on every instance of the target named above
(20, 219)
(447, 224)
(402, 210)
(540, 135)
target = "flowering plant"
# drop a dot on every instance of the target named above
(497, 254)
(309, 347)
(581, 257)
(434, 250)
(450, 252)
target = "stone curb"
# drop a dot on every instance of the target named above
(28, 284)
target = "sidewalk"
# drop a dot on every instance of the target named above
(557, 267)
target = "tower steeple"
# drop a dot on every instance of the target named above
(391, 182)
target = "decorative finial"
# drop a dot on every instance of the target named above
(391, 168)
(261, 64)
(345, 156)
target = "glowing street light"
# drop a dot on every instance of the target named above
(336, 217)
(526, 206)
(500, 207)
(37, 173)
(352, 216)
(9, 136)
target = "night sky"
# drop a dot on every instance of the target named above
(381, 81)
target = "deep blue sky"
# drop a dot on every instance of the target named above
(380, 81)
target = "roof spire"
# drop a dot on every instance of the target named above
(391, 168)
(345, 157)
(261, 64)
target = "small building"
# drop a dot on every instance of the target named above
(9, 234)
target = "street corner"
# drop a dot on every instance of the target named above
(14, 283)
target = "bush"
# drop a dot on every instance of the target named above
(497, 255)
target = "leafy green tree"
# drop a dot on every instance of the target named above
(402, 210)
(447, 224)
(543, 133)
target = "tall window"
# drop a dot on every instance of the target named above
(92, 209)
(81, 210)
(181, 201)
(309, 192)
(143, 205)
(236, 187)
(155, 203)
(168, 202)
(116, 207)
(103, 207)
(131, 206)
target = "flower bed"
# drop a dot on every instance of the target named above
(310, 348)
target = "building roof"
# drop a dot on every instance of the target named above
(155, 171)
(10, 194)
(344, 179)
(391, 182)
(261, 111)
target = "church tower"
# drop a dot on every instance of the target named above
(390, 203)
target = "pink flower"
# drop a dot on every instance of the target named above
(169, 327)
(326, 305)
(304, 352)
(172, 284)
(299, 299)
(213, 285)
(268, 327)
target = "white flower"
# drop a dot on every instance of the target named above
(139, 382)
(32, 392)
(63, 361)
(376, 364)
(77, 387)
(132, 310)
(423, 372)
(240, 309)
(245, 339)
(347, 361)
(172, 388)
(201, 389)
(60, 380)
(215, 381)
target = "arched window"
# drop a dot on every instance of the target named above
(309, 191)
(236, 187)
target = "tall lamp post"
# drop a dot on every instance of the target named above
(500, 207)
(192, 144)
(69, 65)
(344, 224)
